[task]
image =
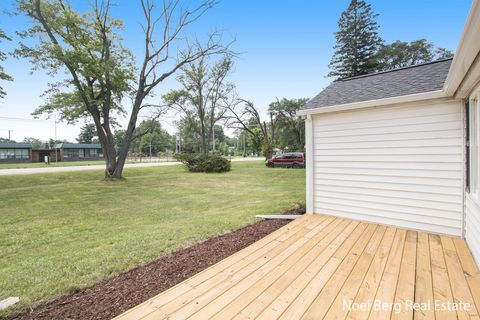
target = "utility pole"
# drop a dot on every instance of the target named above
(55, 145)
(9, 137)
(151, 135)
(244, 145)
(150, 148)
(213, 139)
(178, 143)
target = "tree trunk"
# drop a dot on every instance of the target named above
(107, 143)
(115, 171)
(204, 139)
(267, 150)
(123, 153)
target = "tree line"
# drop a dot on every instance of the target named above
(360, 50)
(104, 80)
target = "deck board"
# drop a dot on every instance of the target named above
(314, 266)
(406, 280)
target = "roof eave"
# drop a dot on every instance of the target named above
(374, 103)
(467, 51)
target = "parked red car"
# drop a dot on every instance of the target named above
(287, 160)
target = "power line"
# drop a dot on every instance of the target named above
(25, 119)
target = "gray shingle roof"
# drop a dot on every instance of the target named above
(387, 84)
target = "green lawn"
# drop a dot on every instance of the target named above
(64, 231)
(53, 164)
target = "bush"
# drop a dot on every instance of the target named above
(204, 162)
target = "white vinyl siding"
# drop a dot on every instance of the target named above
(400, 166)
(472, 226)
(472, 199)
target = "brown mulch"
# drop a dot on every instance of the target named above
(115, 295)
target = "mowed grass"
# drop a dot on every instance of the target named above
(64, 231)
(22, 165)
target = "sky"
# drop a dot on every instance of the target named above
(284, 49)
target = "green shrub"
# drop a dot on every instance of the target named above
(204, 162)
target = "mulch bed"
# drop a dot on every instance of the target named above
(115, 295)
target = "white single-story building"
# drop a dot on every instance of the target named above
(400, 147)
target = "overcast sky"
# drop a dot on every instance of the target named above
(286, 47)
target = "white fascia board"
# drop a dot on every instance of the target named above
(467, 50)
(374, 103)
(470, 81)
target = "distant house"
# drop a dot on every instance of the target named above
(23, 152)
(79, 151)
(15, 152)
(38, 155)
(401, 147)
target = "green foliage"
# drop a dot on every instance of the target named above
(53, 142)
(254, 140)
(189, 136)
(36, 143)
(101, 72)
(290, 128)
(443, 53)
(219, 133)
(246, 144)
(119, 138)
(402, 54)
(153, 138)
(87, 134)
(3, 75)
(248, 119)
(98, 81)
(360, 50)
(357, 41)
(204, 162)
(204, 89)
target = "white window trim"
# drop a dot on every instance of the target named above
(474, 156)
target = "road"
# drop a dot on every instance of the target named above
(4, 172)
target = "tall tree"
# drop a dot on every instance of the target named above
(119, 139)
(292, 127)
(443, 53)
(101, 71)
(402, 54)
(3, 57)
(156, 140)
(52, 142)
(36, 143)
(200, 100)
(87, 133)
(357, 41)
(248, 118)
(189, 138)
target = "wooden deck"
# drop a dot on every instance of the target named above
(321, 267)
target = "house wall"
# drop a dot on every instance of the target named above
(472, 197)
(398, 165)
(472, 226)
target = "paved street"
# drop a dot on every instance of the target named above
(98, 167)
